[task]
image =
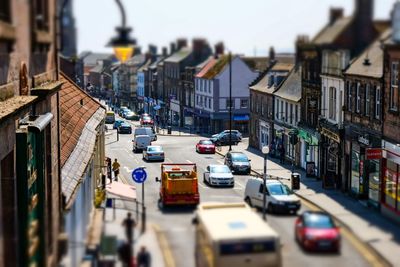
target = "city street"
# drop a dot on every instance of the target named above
(175, 223)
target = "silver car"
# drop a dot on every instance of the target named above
(218, 175)
(153, 153)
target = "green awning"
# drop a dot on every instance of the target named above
(307, 137)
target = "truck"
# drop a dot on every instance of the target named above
(179, 184)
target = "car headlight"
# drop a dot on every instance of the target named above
(310, 237)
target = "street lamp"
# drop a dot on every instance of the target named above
(265, 151)
(230, 100)
(123, 44)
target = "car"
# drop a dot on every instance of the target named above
(140, 143)
(225, 139)
(316, 231)
(117, 123)
(122, 110)
(153, 153)
(125, 128)
(205, 146)
(279, 197)
(146, 120)
(132, 116)
(218, 175)
(146, 131)
(227, 131)
(238, 162)
(125, 112)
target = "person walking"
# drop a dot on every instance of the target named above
(115, 167)
(143, 258)
(129, 225)
(125, 254)
(282, 153)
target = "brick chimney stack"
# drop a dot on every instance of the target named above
(181, 43)
(172, 48)
(271, 55)
(219, 48)
(335, 14)
(164, 51)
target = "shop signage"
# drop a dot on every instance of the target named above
(373, 153)
(363, 140)
(312, 105)
(335, 137)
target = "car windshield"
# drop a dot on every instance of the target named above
(318, 221)
(239, 157)
(278, 189)
(154, 149)
(220, 169)
(146, 118)
(206, 142)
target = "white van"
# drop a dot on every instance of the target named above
(141, 142)
(231, 234)
(146, 131)
(280, 198)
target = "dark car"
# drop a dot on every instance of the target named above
(316, 231)
(227, 131)
(238, 162)
(125, 128)
(117, 123)
(225, 139)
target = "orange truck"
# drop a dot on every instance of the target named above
(179, 184)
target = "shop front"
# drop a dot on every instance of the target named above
(331, 158)
(309, 152)
(265, 129)
(241, 123)
(390, 205)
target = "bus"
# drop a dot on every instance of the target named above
(234, 235)
(110, 117)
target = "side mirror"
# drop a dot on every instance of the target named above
(249, 160)
(157, 180)
(195, 221)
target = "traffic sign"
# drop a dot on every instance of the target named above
(139, 175)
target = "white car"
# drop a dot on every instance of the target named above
(141, 142)
(279, 197)
(153, 153)
(218, 175)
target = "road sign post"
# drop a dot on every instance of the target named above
(139, 175)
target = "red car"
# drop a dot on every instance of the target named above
(146, 120)
(205, 146)
(316, 231)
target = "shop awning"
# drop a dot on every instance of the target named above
(124, 191)
(307, 137)
(241, 117)
(157, 107)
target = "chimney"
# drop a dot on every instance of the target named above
(300, 41)
(181, 43)
(152, 49)
(364, 10)
(164, 51)
(396, 23)
(147, 56)
(201, 49)
(138, 50)
(335, 14)
(219, 48)
(271, 55)
(172, 48)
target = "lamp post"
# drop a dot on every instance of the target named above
(230, 100)
(265, 151)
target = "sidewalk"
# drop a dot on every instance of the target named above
(368, 225)
(180, 131)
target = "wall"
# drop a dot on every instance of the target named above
(338, 84)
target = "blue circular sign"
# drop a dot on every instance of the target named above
(139, 175)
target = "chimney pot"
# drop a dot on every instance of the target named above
(335, 14)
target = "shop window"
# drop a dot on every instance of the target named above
(244, 103)
(229, 104)
(332, 103)
(374, 181)
(394, 84)
(5, 11)
(355, 171)
(390, 180)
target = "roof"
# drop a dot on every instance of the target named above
(291, 87)
(233, 221)
(80, 117)
(375, 55)
(330, 33)
(179, 56)
(217, 67)
(15, 104)
(282, 67)
(98, 68)
(210, 63)
(256, 63)
(144, 66)
(92, 58)
(382, 25)
(262, 85)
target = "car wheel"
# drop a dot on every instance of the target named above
(270, 208)
(248, 201)
(204, 179)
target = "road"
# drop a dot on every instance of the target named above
(176, 223)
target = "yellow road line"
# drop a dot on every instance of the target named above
(368, 253)
(165, 248)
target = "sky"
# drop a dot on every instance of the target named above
(245, 26)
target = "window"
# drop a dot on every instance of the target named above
(244, 103)
(5, 10)
(377, 102)
(358, 98)
(332, 103)
(41, 14)
(277, 109)
(349, 107)
(209, 103)
(229, 104)
(286, 111)
(394, 84)
(281, 116)
(367, 99)
(291, 113)
(211, 86)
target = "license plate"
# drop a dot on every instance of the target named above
(292, 206)
(325, 243)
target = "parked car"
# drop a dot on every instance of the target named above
(153, 153)
(225, 139)
(227, 131)
(141, 142)
(205, 146)
(218, 175)
(146, 120)
(316, 231)
(117, 123)
(125, 112)
(122, 110)
(279, 197)
(238, 162)
(125, 128)
(146, 131)
(132, 116)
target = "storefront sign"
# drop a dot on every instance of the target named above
(330, 135)
(363, 140)
(373, 153)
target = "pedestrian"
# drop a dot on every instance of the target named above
(125, 254)
(282, 153)
(129, 225)
(143, 258)
(115, 167)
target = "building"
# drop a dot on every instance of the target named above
(287, 115)
(129, 95)
(90, 60)
(30, 181)
(67, 30)
(82, 158)
(212, 87)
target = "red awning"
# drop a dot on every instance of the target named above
(122, 190)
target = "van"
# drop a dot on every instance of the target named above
(146, 131)
(110, 117)
(140, 142)
(232, 234)
(279, 197)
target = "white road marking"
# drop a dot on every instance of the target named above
(189, 161)
(127, 169)
(201, 185)
(220, 161)
(168, 160)
(240, 185)
(130, 155)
